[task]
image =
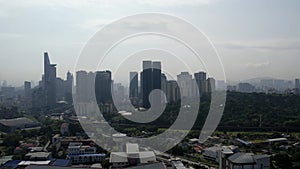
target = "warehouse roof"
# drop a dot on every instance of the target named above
(16, 121)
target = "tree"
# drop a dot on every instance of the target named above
(283, 161)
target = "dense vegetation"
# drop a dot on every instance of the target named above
(9, 112)
(277, 111)
(243, 111)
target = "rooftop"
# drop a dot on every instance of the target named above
(16, 121)
(246, 158)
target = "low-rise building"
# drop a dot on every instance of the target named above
(245, 161)
(131, 157)
(11, 125)
(38, 156)
(214, 153)
(80, 154)
(177, 165)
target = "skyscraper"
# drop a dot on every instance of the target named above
(49, 81)
(133, 85)
(156, 75)
(173, 92)
(211, 85)
(146, 83)
(103, 85)
(185, 82)
(150, 79)
(69, 82)
(201, 82)
(164, 83)
(27, 89)
(297, 86)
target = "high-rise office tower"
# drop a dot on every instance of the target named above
(184, 80)
(146, 83)
(164, 83)
(201, 82)
(27, 89)
(81, 87)
(68, 88)
(156, 75)
(103, 86)
(133, 85)
(173, 92)
(211, 85)
(150, 79)
(297, 84)
(49, 81)
(69, 82)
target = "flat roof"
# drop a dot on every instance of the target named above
(39, 154)
(157, 165)
(242, 158)
(53, 167)
(16, 121)
(34, 162)
(277, 139)
(132, 148)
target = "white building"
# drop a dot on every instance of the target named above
(177, 165)
(131, 157)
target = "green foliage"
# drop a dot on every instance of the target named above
(9, 112)
(275, 110)
(11, 140)
(282, 160)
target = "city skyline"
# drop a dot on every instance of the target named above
(260, 47)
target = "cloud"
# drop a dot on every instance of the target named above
(264, 44)
(168, 3)
(258, 65)
(102, 3)
(94, 24)
(10, 35)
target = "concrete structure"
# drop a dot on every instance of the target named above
(131, 157)
(210, 85)
(49, 81)
(38, 156)
(184, 80)
(173, 91)
(156, 165)
(177, 165)
(103, 87)
(245, 161)
(27, 90)
(11, 125)
(297, 86)
(79, 154)
(134, 88)
(150, 79)
(214, 153)
(200, 78)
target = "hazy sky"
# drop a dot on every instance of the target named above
(254, 38)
